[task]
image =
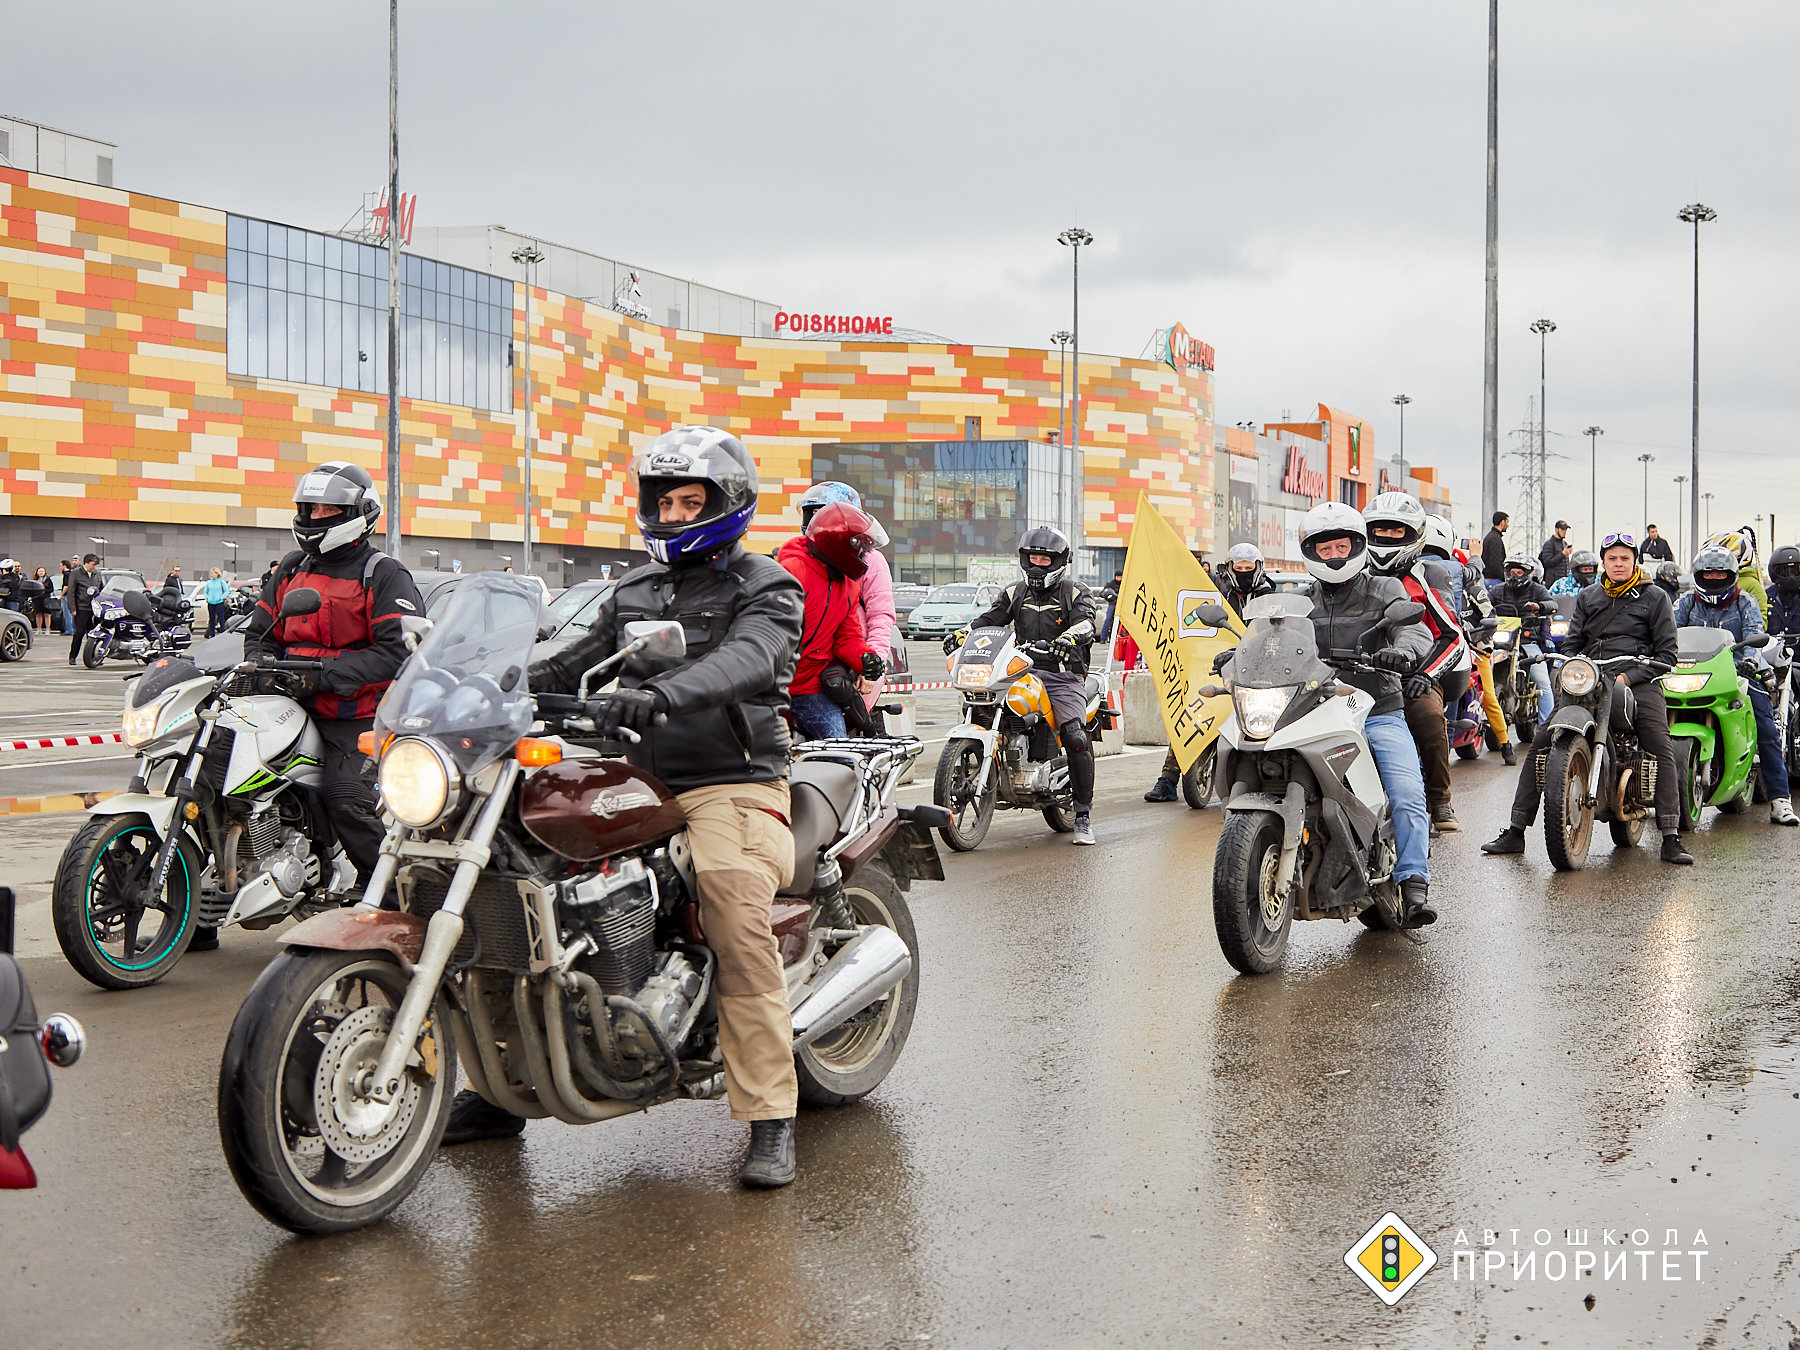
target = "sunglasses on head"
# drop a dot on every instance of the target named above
(1629, 540)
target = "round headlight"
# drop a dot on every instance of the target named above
(419, 784)
(1579, 678)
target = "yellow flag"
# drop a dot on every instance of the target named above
(1159, 600)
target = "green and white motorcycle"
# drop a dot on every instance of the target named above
(1712, 722)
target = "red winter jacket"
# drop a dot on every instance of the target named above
(833, 616)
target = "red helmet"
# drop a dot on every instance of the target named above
(840, 534)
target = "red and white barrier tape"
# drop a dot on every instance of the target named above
(915, 688)
(60, 742)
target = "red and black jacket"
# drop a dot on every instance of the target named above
(364, 595)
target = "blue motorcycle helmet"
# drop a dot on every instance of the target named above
(702, 456)
(821, 495)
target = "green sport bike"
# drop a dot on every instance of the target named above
(1712, 722)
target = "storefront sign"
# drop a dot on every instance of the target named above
(1187, 352)
(839, 325)
(1240, 507)
(1301, 480)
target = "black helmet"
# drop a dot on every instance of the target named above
(335, 484)
(1519, 571)
(1053, 544)
(1784, 568)
(1668, 576)
(1584, 566)
(1715, 575)
(1241, 581)
(712, 458)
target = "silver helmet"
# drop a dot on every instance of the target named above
(1334, 520)
(1393, 510)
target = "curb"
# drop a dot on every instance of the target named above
(57, 803)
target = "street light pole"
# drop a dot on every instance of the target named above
(1076, 238)
(1680, 548)
(1593, 434)
(1708, 496)
(1062, 337)
(1646, 459)
(1543, 328)
(1490, 390)
(528, 256)
(1696, 214)
(393, 243)
(1401, 400)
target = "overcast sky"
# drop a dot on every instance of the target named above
(1299, 181)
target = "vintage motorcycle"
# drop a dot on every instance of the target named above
(1513, 686)
(1712, 722)
(27, 1047)
(236, 835)
(547, 937)
(1308, 832)
(1005, 753)
(1594, 769)
(134, 627)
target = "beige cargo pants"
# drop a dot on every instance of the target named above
(744, 853)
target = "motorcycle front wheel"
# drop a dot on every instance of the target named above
(1568, 820)
(93, 655)
(1252, 923)
(958, 771)
(112, 930)
(306, 1148)
(851, 1061)
(1197, 782)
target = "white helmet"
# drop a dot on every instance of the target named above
(1334, 520)
(1401, 509)
(1439, 541)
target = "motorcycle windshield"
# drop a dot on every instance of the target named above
(1697, 644)
(1279, 649)
(982, 646)
(465, 687)
(162, 676)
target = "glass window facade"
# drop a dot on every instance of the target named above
(312, 307)
(945, 503)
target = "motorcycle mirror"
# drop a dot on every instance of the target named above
(413, 628)
(6, 920)
(62, 1039)
(1755, 640)
(1402, 611)
(137, 604)
(299, 602)
(1214, 616)
(660, 639)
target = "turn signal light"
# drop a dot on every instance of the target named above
(535, 753)
(365, 744)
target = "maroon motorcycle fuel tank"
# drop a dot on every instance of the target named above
(587, 809)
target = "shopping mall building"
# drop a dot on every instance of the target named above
(167, 369)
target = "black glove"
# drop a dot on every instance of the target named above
(952, 641)
(294, 684)
(1064, 650)
(1394, 659)
(1416, 686)
(1222, 659)
(873, 667)
(632, 708)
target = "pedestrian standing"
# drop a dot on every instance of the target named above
(1554, 555)
(1493, 548)
(44, 603)
(69, 568)
(83, 586)
(267, 576)
(1655, 546)
(218, 613)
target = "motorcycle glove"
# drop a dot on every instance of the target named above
(632, 708)
(873, 667)
(1064, 650)
(1223, 659)
(1394, 659)
(1416, 686)
(954, 640)
(294, 684)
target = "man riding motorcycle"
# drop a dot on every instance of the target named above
(1476, 611)
(1244, 579)
(1741, 545)
(1584, 571)
(723, 750)
(1668, 576)
(1625, 615)
(1051, 606)
(1784, 590)
(364, 594)
(1348, 601)
(1396, 526)
(1717, 601)
(1512, 599)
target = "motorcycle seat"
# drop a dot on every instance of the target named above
(1093, 687)
(822, 794)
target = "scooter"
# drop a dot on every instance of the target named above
(1594, 769)
(1712, 721)
(27, 1046)
(1309, 833)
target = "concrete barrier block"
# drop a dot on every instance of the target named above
(1143, 711)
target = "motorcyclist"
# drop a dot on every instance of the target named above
(1741, 545)
(1050, 606)
(1521, 596)
(1476, 610)
(1625, 615)
(1584, 571)
(1348, 602)
(1784, 590)
(1245, 577)
(1396, 526)
(1668, 576)
(364, 594)
(1717, 601)
(881, 622)
(829, 560)
(723, 751)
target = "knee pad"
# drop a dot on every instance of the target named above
(1075, 741)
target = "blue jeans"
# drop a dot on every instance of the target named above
(1397, 761)
(817, 716)
(1540, 676)
(1769, 756)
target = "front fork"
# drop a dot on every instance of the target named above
(183, 790)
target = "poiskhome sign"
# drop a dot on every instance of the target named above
(838, 325)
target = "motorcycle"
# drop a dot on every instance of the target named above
(1712, 722)
(236, 836)
(133, 627)
(547, 937)
(1513, 686)
(1594, 768)
(1005, 753)
(1782, 653)
(27, 1046)
(1466, 719)
(1309, 833)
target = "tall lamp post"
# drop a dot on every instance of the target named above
(528, 256)
(1593, 434)
(101, 541)
(1062, 337)
(393, 243)
(1543, 328)
(1646, 459)
(1490, 385)
(1076, 238)
(1680, 479)
(232, 545)
(1400, 401)
(1709, 497)
(1696, 215)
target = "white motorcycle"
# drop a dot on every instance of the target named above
(1308, 832)
(236, 836)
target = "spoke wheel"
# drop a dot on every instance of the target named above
(953, 788)
(1568, 820)
(112, 930)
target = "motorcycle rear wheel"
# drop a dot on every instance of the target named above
(1568, 821)
(1252, 925)
(100, 899)
(850, 1063)
(1060, 818)
(958, 769)
(1197, 782)
(312, 1021)
(1626, 833)
(1472, 750)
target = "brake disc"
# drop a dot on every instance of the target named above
(352, 1124)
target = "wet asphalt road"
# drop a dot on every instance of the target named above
(1097, 1134)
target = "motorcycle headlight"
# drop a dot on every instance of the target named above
(1690, 682)
(974, 677)
(1559, 628)
(1578, 678)
(140, 723)
(418, 782)
(1258, 710)
(1503, 638)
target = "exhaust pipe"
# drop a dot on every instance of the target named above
(864, 969)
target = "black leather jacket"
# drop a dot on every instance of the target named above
(1510, 604)
(1638, 623)
(1066, 610)
(1237, 599)
(742, 615)
(1343, 613)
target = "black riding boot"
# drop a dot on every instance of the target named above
(473, 1117)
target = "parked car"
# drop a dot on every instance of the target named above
(907, 597)
(572, 613)
(1288, 581)
(948, 609)
(15, 635)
